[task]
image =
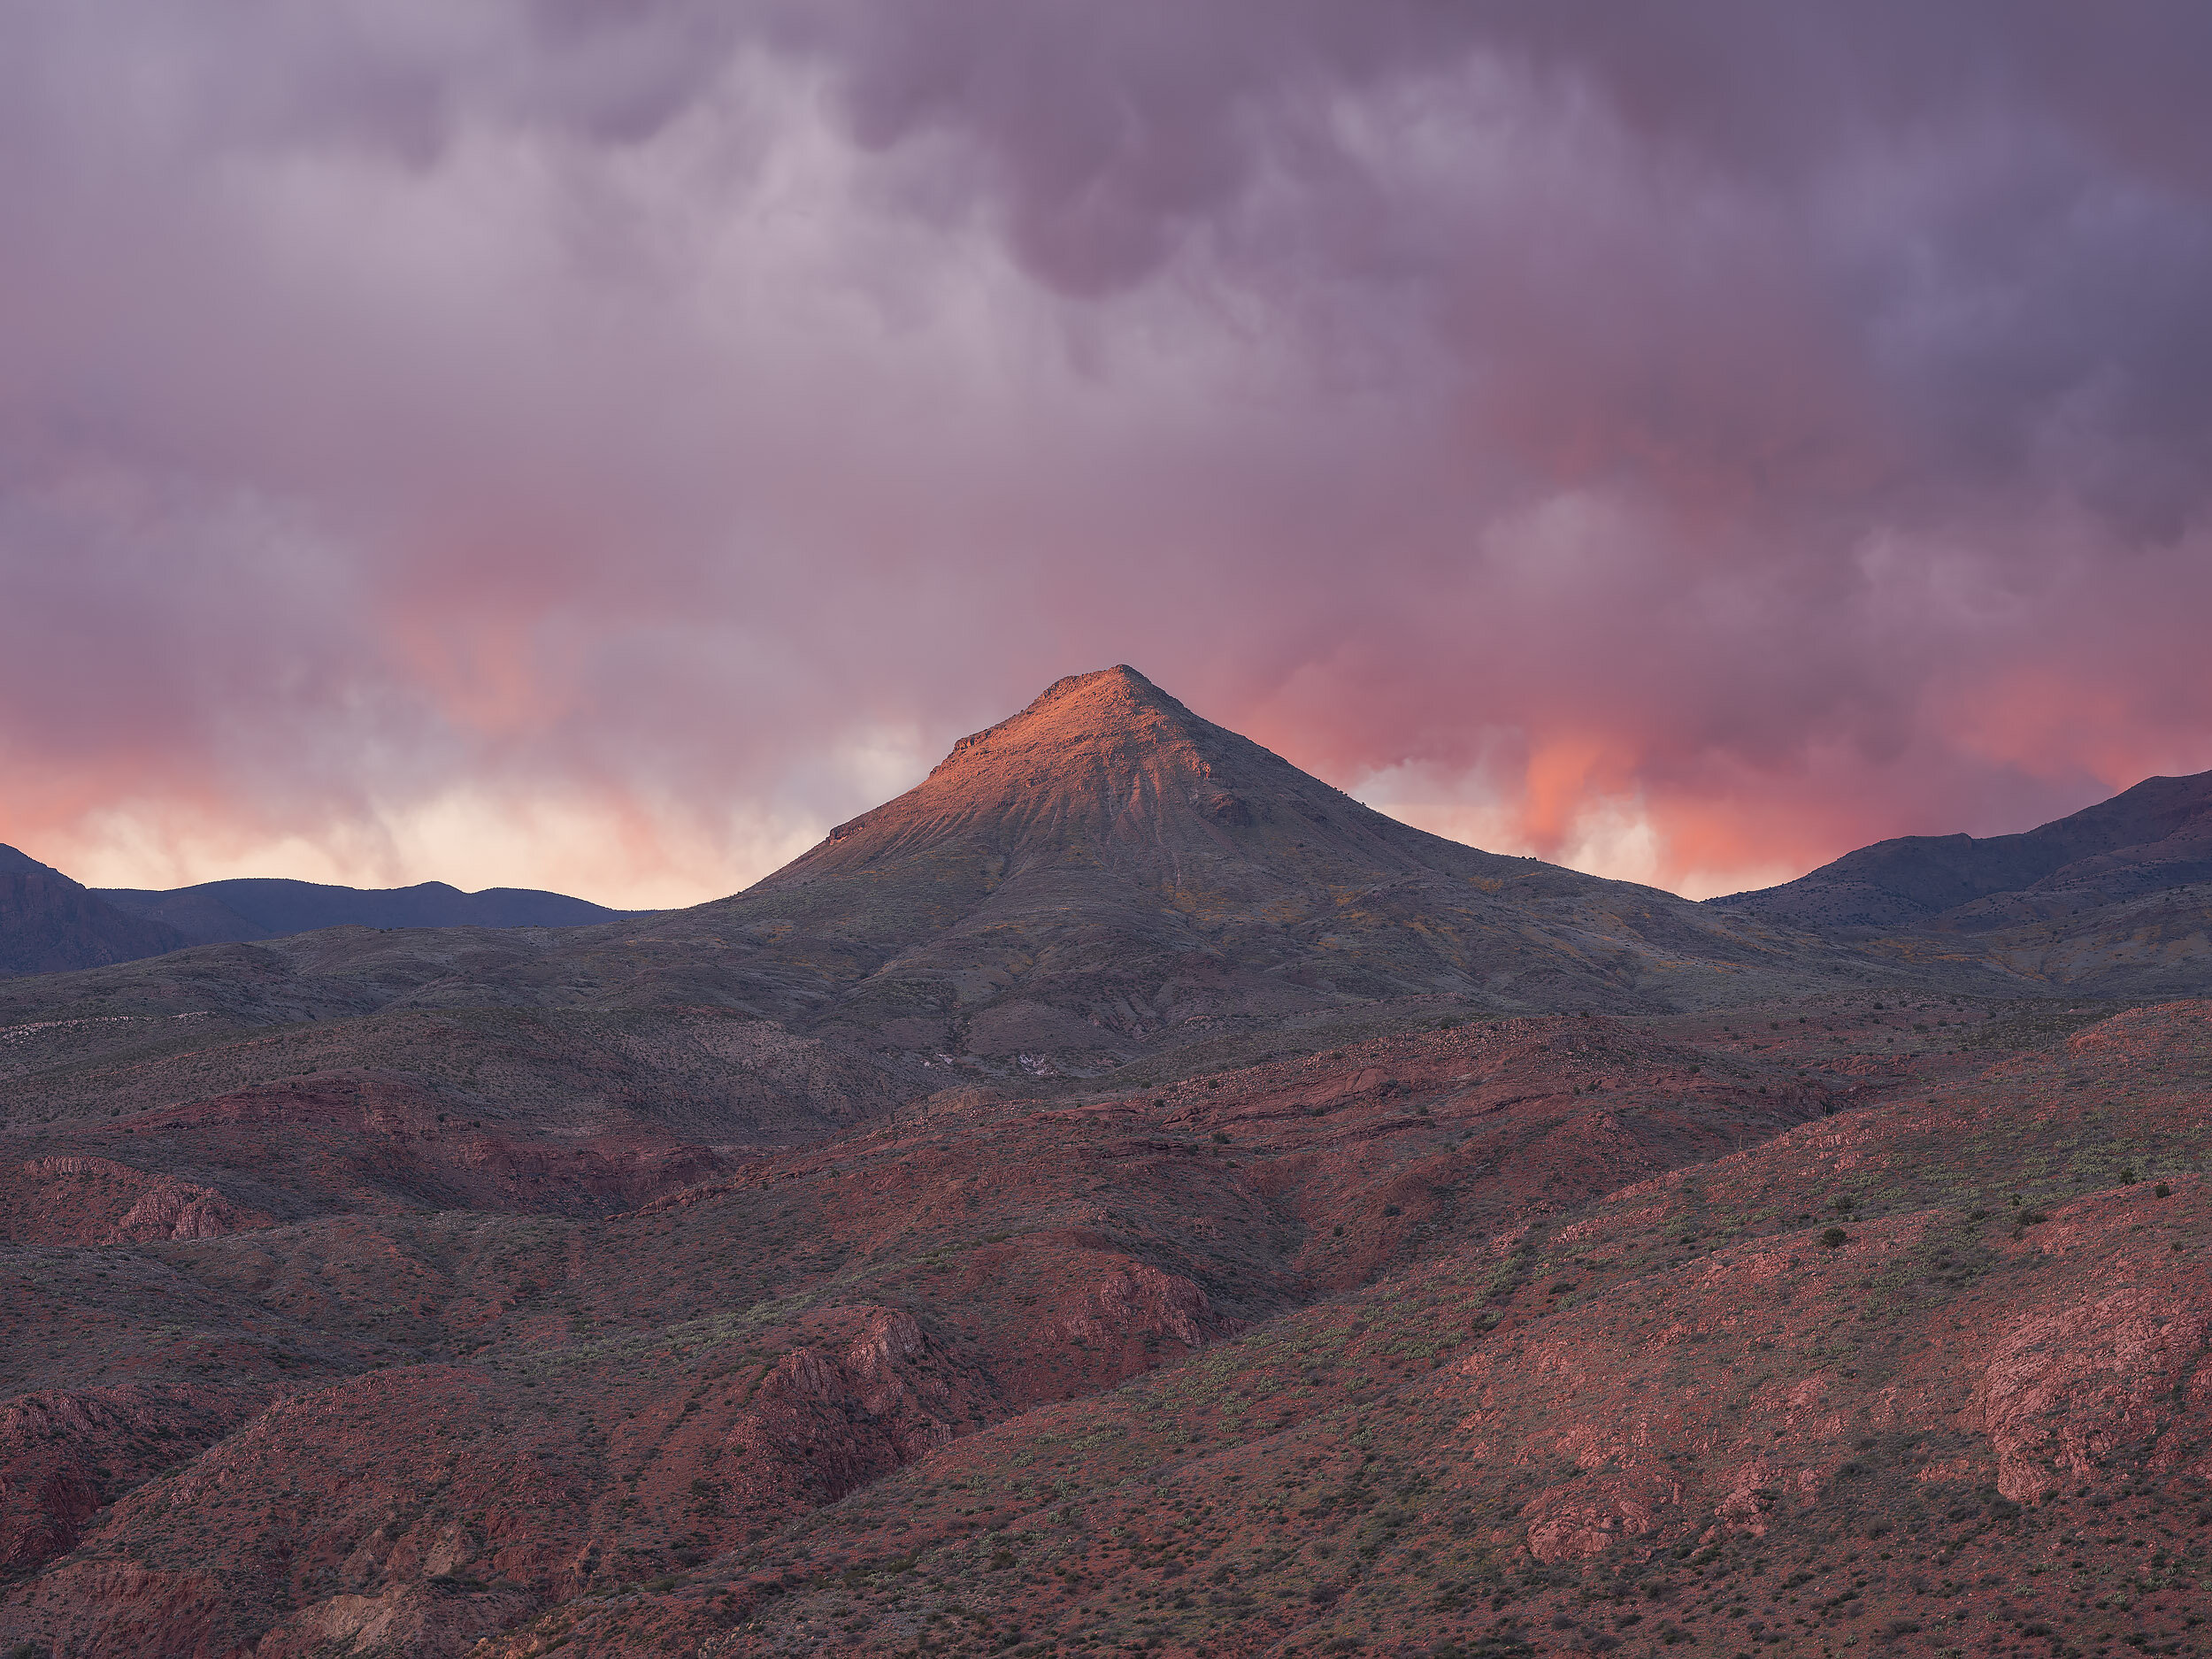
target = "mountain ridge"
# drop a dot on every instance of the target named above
(2156, 833)
(269, 907)
(1106, 873)
(52, 924)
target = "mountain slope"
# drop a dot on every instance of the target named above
(630, 1392)
(50, 924)
(229, 913)
(1927, 1378)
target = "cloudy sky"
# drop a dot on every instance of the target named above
(598, 445)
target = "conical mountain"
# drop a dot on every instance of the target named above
(1107, 770)
(1107, 867)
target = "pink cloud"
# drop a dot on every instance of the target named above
(1765, 427)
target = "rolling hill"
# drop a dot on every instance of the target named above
(49, 923)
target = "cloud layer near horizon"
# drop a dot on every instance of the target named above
(599, 446)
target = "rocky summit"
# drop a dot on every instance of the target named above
(1125, 1195)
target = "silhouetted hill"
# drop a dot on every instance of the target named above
(2116, 898)
(226, 912)
(2157, 834)
(50, 924)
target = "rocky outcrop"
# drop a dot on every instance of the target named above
(1132, 1299)
(65, 1455)
(75, 1200)
(2068, 1387)
(831, 1415)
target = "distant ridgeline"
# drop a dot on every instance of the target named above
(49, 923)
(2151, 839)
(218, 913)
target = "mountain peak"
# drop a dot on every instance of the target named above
(1111, 706)
(1095, 758)
(1106, 863)
(1119, 681)
(1104, 793)
(1120, 687)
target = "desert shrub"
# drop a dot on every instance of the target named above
(1833, 1238)
(2162, 1190)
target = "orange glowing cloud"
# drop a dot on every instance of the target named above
(600, 448)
